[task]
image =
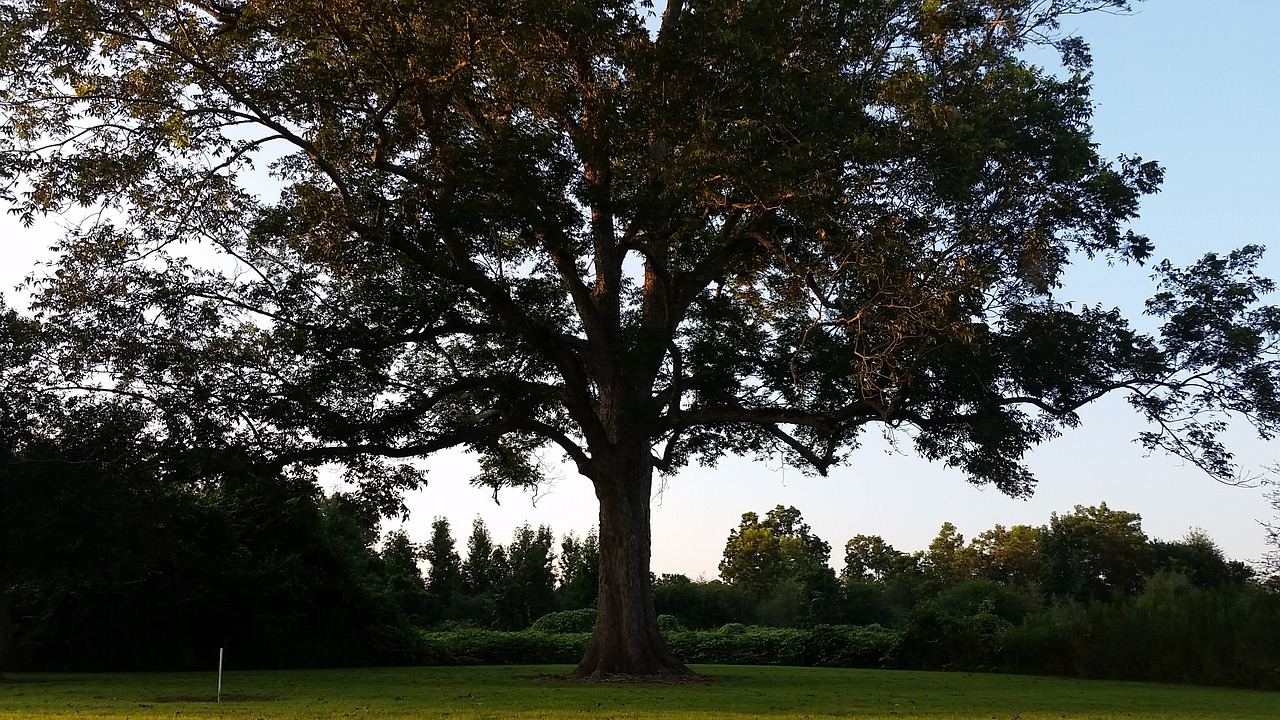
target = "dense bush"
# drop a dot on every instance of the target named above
(825, 645)
(1174, 632)
(702, 605)
(670, 624)
(475, 646)
(868, 646)
(936, 637)
(566, 621)
(963, 627)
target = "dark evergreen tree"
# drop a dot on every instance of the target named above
(405, 584)
(527, 591)
(445, 580)
(481, 570)
(579, 572)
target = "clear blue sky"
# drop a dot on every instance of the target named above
(1195, 85)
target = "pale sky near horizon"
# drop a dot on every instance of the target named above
(1191, 84)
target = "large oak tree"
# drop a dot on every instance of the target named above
(739, 226)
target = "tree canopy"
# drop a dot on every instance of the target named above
(753, 226)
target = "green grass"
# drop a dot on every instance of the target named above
(524, 692)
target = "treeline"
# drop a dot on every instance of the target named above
(119, 554)
(775, 571)
(1088, 594)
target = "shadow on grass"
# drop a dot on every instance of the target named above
(226, 698)
(690, 679)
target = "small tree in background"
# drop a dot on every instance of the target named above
(780, 562)
(444, 578)
(527, 590)
(405, 584)
(579, 576)
(868, 557)
(1198, 557)
(1008, 555)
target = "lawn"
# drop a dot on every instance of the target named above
(531, 692)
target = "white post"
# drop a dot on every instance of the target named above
(219, 675)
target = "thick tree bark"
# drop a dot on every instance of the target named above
(626, 640)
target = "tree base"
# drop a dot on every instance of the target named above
(684, 677)
(628, 658)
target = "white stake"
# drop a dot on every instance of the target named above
(219, 675)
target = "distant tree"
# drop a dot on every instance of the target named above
(23, 400)
(868, 557)
(946, 560)
(91, 552)
(1010, 556)
(1270, 561)
(1094, 553)
(527, 591)
(480, 572)
(578, 580)
(1200, 559)
(119, 554)
(405, 584)
(784, 565)
(743, 227)
(702, 604)
(445, 574)
(753, 556)
(761, 553)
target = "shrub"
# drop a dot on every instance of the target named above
(962, 628)
(497, 647)
(701, 604)
(1174, 632)
(567, 621)
(670, 624)
(869, 646)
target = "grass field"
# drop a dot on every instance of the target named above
(527, 692)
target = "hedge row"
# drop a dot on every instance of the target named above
(473, 646)
(1171, 634)
(823, 646)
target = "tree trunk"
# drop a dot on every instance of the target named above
(626, 640)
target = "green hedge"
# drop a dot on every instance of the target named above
(826, 646)
(1176, 635)
(567, 621)
(499, 647)
(1173, 633)
(869, 646)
